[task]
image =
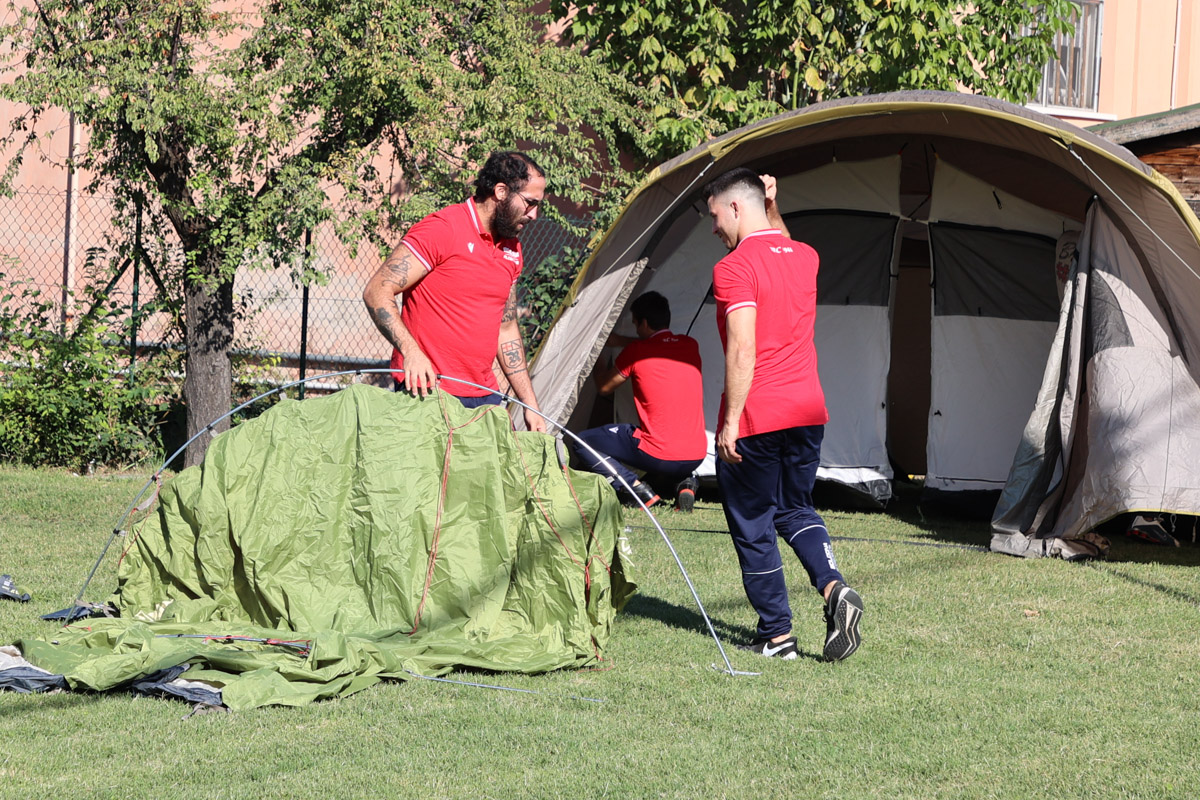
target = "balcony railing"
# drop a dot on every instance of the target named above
(1073, 79)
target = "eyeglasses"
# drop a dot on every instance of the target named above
(529, 202)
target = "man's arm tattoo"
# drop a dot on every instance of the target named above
(386, 319)
(514, 356)
(510, 308)
(382, 316)
(397, 267)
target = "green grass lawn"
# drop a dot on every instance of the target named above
(980, 676)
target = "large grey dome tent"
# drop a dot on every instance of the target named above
(957, 337)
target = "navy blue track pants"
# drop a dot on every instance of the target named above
(467, 402)
(769, 495)
(619, 451)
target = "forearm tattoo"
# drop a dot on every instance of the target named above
(385, 319)
(382, 316)
(510, 310)
(513, 356)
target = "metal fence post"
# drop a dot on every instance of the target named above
(137, 274)
(304, 312)
(69, 235)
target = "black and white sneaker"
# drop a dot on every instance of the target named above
(842, 613)
(643, 492)
(787, 649)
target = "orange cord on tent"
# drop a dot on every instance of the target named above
(437, 526)
(441, 505)
(587, 566)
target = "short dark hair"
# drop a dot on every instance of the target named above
(653, 308)
(739, 176)
(509, 167)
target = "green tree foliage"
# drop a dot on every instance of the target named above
(69, 399)
(242, 125)
(542, 290)
(715, 65)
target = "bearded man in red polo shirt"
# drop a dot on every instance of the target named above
(669, 442)
(455, 274)
(773, 415)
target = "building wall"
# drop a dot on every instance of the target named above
(1149, 60)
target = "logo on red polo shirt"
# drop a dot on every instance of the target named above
(511, 255)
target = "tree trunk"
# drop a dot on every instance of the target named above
(208, 381)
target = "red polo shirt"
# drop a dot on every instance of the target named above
(778, 277)
(668, 394)
(454, 312)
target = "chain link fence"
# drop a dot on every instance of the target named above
(62, 246)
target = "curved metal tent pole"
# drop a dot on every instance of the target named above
(208, 429)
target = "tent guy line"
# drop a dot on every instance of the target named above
(118, 529)
(1134, 213)
(670, 206)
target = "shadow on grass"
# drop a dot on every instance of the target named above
(944, 527)
(1169, 591)
(41, 702)
(1131, 551)
(966, 524)
(687, 619)
(969, 525)
(1136, 551)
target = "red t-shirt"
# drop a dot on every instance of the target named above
(668, 394)
(778, 277)
(454, 312)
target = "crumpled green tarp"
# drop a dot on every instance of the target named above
(384, 533)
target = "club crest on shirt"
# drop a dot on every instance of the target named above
(511, 255)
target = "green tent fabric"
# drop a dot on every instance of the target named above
(360, 536)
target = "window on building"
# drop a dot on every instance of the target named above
(1073, 79)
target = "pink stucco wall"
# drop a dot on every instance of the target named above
(1144, 67)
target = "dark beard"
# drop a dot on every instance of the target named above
(504, 221)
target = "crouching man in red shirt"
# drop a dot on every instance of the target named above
(669, 441)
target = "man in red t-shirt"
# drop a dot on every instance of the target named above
(455, 273)
(773, 414)
(669, 442)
